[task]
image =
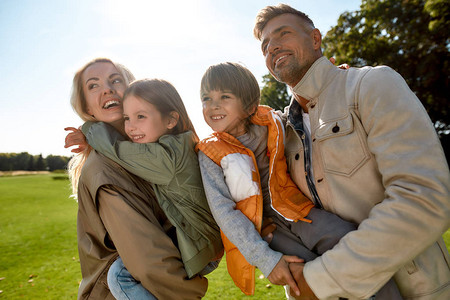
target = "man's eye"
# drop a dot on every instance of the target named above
(284, 33)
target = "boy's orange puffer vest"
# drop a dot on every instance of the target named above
(286, 198)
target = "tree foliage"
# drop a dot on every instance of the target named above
(28, 162)
(274, 93)
(410, 36)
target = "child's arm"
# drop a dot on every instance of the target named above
(150, 161)
(234, 224)
(75, 138)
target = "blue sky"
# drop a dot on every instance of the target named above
(43, 43)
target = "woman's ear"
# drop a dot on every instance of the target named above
(172, 120)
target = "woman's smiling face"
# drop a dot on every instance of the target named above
(103, 88)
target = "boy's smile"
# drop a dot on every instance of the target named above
(223, 112)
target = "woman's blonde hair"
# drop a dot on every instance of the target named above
(79, 105)
(163, 95)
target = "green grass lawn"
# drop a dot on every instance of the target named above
(38, 247)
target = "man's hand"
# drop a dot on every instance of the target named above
(305, 291)
(75, 138)
(281, 275)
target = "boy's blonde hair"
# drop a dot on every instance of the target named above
(236, 79)
(165, 98)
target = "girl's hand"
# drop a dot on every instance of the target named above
(75, 138)
(343, 66)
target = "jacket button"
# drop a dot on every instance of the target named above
(297, 156)
(335, 128)
(312, 105)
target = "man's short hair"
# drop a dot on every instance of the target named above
(269, 12)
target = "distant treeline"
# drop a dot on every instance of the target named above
(27, 162)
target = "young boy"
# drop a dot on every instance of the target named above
(245, 177)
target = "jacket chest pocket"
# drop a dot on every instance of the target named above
(342, 145)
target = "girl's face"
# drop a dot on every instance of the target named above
(143, 122)
(103, 88)
(224, 112)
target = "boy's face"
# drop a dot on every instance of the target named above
(143, 122)
(224, 112)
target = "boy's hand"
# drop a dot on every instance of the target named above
(281, 275)
(75, 138)
(267, 228)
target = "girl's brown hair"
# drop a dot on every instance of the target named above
(165, 98)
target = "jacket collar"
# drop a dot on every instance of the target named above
(315, 80)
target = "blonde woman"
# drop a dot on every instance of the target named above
(118, 213)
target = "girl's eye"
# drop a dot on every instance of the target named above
(205, 99)
(225, 97)
(141, 117)
(126, 118)
(117, 80)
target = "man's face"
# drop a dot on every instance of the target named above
(290, 46)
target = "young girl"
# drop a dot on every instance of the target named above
(162, 152)
(245, 177)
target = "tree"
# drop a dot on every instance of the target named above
(30, 163)
(19, 161)
(274, 93)
(40, 163)
(5, 162)
(55, 162)
(411, 36)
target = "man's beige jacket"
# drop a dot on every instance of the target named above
(377, 161)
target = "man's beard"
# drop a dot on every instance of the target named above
(290, 74)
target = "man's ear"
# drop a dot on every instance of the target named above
(172, 120)
(317, 38)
